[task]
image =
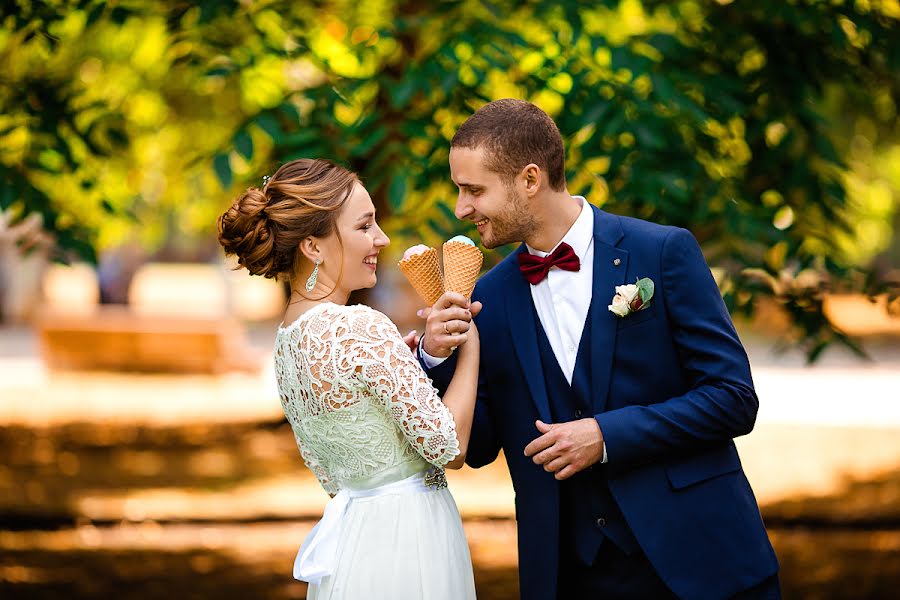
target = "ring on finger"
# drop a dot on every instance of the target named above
(447, 331)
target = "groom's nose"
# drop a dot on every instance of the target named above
(463, 208)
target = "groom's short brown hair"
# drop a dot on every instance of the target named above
(515, 133)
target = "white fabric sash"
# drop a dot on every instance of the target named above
(317, 555)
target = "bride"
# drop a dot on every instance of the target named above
(366, 418)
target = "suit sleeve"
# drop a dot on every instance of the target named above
(484, 445)
(720, 403)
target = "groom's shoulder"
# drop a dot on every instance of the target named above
(640, 231)
(497, 274)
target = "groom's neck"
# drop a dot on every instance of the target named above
(555, 213)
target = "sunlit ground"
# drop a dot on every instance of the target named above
(152, 486)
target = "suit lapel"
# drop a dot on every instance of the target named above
(520, 312)
(607, 274)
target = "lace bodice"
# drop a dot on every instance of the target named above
(362, 410)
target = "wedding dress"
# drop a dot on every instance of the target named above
(375, 433)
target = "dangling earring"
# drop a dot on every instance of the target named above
(311, 282)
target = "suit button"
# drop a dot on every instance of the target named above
(601, 523)
(578, 414)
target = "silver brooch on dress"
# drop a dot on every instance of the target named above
(435, 479)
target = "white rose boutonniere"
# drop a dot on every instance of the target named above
(632, 297)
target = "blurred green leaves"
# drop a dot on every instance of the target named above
(737, 121)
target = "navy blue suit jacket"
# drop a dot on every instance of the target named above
(672, 390)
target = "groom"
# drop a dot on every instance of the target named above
(617, 427)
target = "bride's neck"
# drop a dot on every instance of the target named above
(309, 299)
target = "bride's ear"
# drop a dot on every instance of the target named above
(310, 248)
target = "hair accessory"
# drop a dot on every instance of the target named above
(266, 179)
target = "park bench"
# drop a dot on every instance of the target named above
(177, 321)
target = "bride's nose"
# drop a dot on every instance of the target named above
(381, 240)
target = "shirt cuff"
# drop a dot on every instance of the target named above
(428, 360)
(603, 460)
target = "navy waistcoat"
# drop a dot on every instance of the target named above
(588, 512)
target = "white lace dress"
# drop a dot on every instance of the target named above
(364, 414)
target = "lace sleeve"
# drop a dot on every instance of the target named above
(318, 470)
(385, 365)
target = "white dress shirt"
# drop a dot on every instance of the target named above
(563, 298)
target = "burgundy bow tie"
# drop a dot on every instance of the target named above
(535, 268)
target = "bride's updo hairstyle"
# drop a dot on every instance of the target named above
(264, 226)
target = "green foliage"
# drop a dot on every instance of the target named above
(729, 119)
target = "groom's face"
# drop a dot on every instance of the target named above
(498, 209)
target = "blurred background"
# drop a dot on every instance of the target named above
(143, 452)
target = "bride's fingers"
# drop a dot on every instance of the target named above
(411, 339)
(475, 308)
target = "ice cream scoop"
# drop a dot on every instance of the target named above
(422, 269)
(413, 250)
(461, 238)
(462, 264)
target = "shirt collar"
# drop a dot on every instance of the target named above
(580, 234)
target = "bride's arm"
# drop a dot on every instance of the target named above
(461, 393)
(383, 363)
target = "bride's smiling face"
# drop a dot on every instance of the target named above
(350, 259)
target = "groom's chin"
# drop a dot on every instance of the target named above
(488, 243)
(492, 243)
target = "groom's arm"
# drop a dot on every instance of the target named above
(721, 403)
(439, 369)
(484, 446)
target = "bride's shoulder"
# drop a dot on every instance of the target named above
(355, 320)
(366, 314)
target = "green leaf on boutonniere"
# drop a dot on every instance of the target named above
(645, 289)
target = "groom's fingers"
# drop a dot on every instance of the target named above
(555, 465)
(449, 299)
(475, 308)
(565, 472)
(454, 313)
(446, 324)
(546, 456)
(539, 445)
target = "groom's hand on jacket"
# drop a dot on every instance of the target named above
(447, 323)
(566, 448)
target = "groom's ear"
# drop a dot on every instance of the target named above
(531, 177)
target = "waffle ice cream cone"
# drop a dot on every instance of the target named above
(462, 264)
(423, 271)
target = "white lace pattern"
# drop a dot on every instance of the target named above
(357, 399)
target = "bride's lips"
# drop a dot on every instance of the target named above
(371, 261)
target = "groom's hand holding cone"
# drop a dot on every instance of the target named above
(447, 323)
(450, 313)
